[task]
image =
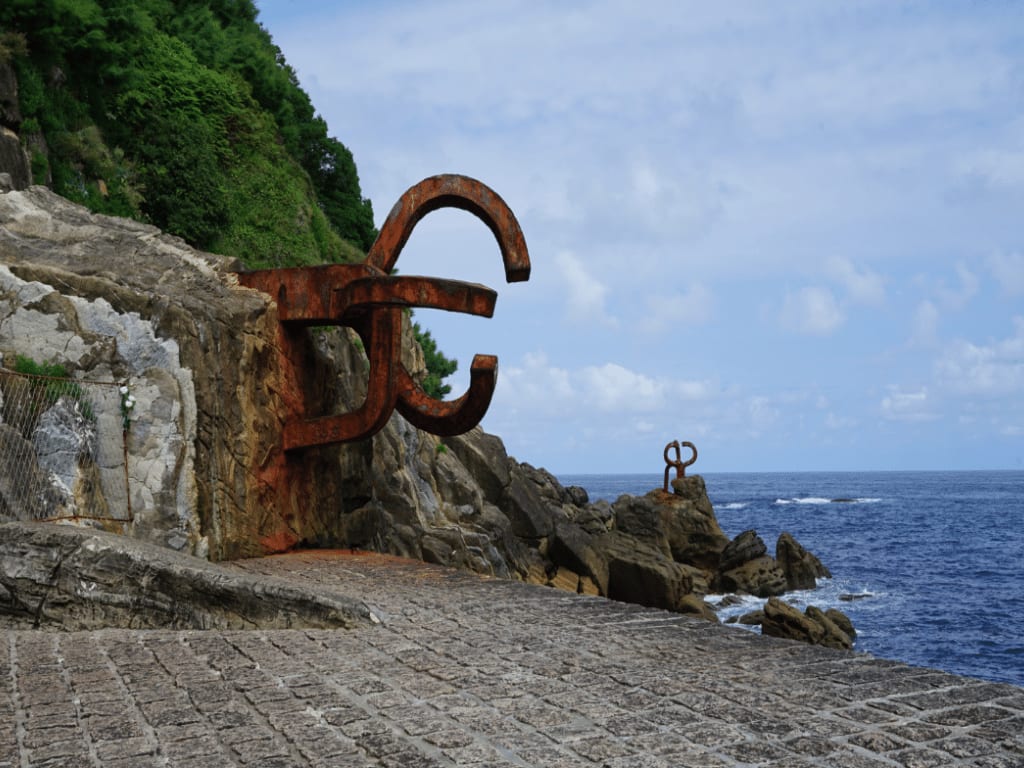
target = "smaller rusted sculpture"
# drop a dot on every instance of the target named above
(677, 462)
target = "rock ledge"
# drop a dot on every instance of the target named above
(72, 578)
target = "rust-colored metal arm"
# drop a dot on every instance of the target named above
(452, 191)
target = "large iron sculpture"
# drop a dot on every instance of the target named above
(367, 298)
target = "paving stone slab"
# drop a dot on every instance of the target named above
(467, 671)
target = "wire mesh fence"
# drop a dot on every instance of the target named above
(62, 449)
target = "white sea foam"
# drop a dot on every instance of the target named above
(735, 505)
(821, 500)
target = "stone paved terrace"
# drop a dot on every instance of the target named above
(464, 671)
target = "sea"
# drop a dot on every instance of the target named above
(929, 566)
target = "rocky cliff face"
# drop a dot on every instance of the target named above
(117, 301)
(14, 159)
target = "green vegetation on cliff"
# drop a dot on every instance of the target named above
(184, 114)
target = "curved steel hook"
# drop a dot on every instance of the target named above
(452, 190)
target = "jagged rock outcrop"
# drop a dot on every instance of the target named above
(802, 569)
(747, 568)
(15, 168)
(15, 171)
(10, 109)
(76, 579)
(831, 629)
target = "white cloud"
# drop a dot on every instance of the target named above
(536, 386)
(907, 406)
(613, 388)
(539, 387)
(1008, 270)
(585, 294)
(862, 286)
(812, 310)
(990, 370)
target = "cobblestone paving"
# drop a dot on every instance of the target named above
(464, 671)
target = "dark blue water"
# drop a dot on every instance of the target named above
(939, 554)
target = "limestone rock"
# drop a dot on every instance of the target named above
(640, 517)
(566, 580)
(745, 547)
(64, 443)
(545, 484)
(574, 548)
(14, 160)
(80, 579)
(760, 576)
(484, 457)
(751, 619)
(596, 518)
(812, 626)
(802, 569)
(10, 110)
(25, 491)
(525, 508)
(577, 495)
(693, 489)
(637, 573)
(683, 527)
(694, 605)
(842, 621)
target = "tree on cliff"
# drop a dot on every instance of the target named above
(438, 366)
(186, 115)
(183, 113)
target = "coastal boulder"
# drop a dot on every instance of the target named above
(526, 509)
(813, 626)
(638, 573)
(572, 547)
(802, 569)
(745, 547)
(683, 527)
(761, 577)
(484, 457)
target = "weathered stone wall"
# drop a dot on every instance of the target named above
(113, 300)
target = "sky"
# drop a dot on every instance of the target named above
(791, 233)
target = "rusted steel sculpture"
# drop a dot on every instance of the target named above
(677, 462)
(367, 298)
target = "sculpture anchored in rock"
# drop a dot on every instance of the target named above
(677, 462)
(367, 298)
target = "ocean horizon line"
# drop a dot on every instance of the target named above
(653, 473)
